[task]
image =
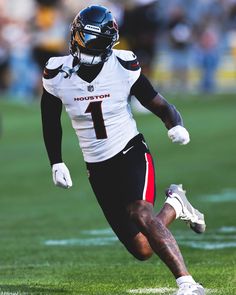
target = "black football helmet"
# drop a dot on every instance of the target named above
(94, 32)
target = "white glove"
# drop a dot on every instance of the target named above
(179, 134)
(61, 175)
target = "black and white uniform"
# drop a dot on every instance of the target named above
(119, 164)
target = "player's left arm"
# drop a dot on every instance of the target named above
(158, 105)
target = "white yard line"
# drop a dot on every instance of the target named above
(100, 241)
(151, 291)
(228, 195)
(98, 232)
(208, 245)
(227, 229)
(167, 291)
(222, 238)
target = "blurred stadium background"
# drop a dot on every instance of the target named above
(183, 45)
(57, 241)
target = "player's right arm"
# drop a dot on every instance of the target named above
(158, 105)
(51, 109)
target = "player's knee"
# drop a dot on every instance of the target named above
(141, 212)
(140, 248)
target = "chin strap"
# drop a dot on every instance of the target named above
(77, 62)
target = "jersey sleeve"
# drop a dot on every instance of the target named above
(51, 108)
(51, 70)
(129, 61)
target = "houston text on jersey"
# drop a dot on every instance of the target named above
(102, 96)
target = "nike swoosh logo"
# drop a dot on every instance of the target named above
(126, 151)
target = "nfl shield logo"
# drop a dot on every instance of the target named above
(90, 88)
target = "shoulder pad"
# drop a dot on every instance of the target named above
(124, 54)
(53, 67)
(51, 73)
(127, 59)
(132, 65)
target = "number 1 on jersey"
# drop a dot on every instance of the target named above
(95, 108)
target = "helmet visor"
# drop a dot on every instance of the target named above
(93, 42)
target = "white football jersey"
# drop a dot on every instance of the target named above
(100, 110)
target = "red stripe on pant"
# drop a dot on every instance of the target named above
(149, 186)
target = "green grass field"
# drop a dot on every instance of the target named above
(56, 241)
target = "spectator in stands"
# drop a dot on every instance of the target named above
(140, 27)
(50, 31)
(179, 30)
(207, 54)
(4, 59)
(16, 78)
(143, 23)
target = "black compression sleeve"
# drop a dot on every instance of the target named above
(51, 108)
(143, 90)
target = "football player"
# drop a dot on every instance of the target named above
(94, 83)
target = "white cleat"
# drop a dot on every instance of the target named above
(190, 289)
(189, 214)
